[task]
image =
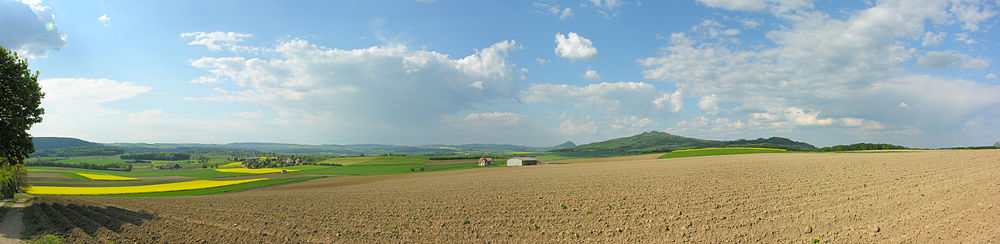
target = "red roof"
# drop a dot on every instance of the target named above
(487, 159)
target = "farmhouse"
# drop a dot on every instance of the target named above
(485, 161)
(519, 161)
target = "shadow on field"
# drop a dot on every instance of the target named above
(62, 219)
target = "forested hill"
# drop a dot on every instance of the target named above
(70, 147)
(42, 143)
(655, 141)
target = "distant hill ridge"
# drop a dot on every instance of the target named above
(43, 143)
(655, 141)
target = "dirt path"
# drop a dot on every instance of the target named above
(10, 229)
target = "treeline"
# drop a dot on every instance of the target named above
(164, 156)
(79, 151)
(468, 157)
(861, 146)
(53, 163)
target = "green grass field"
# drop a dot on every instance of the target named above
(718, 151)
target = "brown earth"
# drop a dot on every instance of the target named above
(929, 196)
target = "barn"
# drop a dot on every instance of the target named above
(519, 161)
(485, 161)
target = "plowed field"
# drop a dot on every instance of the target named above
(930, 196)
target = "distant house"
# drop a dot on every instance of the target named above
(171, 166)
(519, 161)
(485, 161)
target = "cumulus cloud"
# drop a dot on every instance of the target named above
(706, 126)
(591, 75)
(218, 40)
(542, 61)
(29, 28)
(991, 76)
(378, 90)
(850, 68)
(944, 59)
(932, 39)
(573, 126)
(104, 19)
(575, 47)
(709, 104)
(616, 99)
(634, 124)
(76, 105)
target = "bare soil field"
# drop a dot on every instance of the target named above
(928, 196)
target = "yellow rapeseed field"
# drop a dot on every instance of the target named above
(255, 171)
(178, 186)
(718, 148)
(232, 164)
(105, 177)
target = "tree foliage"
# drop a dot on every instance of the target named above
(13, 177)
(19, 107)
(861, 146)
(79, 151)
(166, 156)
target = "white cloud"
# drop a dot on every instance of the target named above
(991, 76)
(542, 61)
(964, 38)
(249, 114)
(555, 10)
(607, 8)
(847, 67)
(152, 116)
(944, 59)
(777, 6)
(573, 126)
(709, 104)
(591, 75)
(29, 29)
(931, 39)
(617, 99)
(104, 19)
(575, 47)
(706, 126)
(749, 23)
(634, 124)
(367, 93)
(218, 40)
(972, 12)
(78, 105)
(903, 105)
(673, 101)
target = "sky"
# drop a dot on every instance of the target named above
(918, 73)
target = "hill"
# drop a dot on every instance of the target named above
(655, 141)
(43, 143)
(70, 147)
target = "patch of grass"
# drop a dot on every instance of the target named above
(466, 221)
(815, 240)
(217, 190)
(345, 161)
(48, 239)
(719, 151)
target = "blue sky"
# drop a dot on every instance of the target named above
(912, 72)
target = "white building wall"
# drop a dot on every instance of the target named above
(514, 162)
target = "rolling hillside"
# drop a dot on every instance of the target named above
(655, 141)
(70, 147)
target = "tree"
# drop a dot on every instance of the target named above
(19, 109)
